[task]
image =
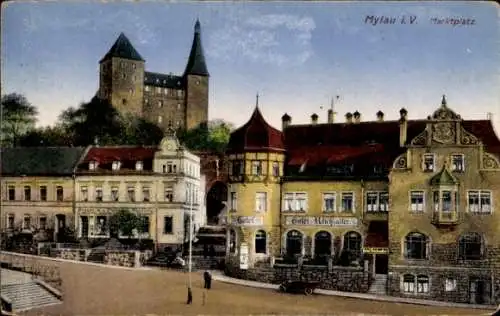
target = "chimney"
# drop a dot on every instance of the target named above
(285, 121)
(403, 126)
(330, 117)
(348, 117)
(357, 117)
(314, 118)
(380, 116)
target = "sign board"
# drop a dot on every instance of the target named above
(376, 250)
(321, 221)
(244, 256)
(247, 220)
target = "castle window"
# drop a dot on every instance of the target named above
(116, 165)
(457, 163)
(429, 162)
(160, 119)
(470, 247)
(416, 246)
(139, 165)
(256, 167)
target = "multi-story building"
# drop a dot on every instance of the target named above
(37, 188)
(161, 184)
(411, 199)
(178, 101)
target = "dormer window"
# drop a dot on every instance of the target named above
(93, 165)
(139, 165)
(116, 165)
(429, 162)
(457, 163)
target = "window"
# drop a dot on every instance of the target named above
(114, 194)
(169, 195)
(101, 228)
(479, 202)
(260, 242)
(131, 194)
(139, 165)
(124, 76)
(131, 91)
(160, 104)
(122, 65)
(347, 202)
(158, 90)
(417, 201)
(144, 225)
(43, 193)
(98, 194)
(59, 193)
(145, 194)
(416, 246)
(178, 107)
(147, 88)
(179, 93)
(295, 202)
(10, 221)
(428, 163)
(470, 247)
(294, 240)
(450, 285)
(92, 165)
(12, 193)
(146, 102)
(85, 194)
(409, 283)
(160, 119)
(164, 168)
(377, 202)
(329, 202)
(168, 225)
(261, 201)
(27, 193)
(457, 163)
(115, 165)
(237, 168)
(322, 244)
(42, 222)
(352, 243)
(27, 222)
(446, 200)
(232, 241)
(234, 201)
(422, 284)
(256, 167)
(165, 91)
(276, 169)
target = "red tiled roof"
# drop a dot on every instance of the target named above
(127, 156)
(256, 134)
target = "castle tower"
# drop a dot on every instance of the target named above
(122, 77)
(256, 157)
(196, 79)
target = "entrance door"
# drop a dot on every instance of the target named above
(381, 264)
(60, 228)
(85, 226)
(478, 291)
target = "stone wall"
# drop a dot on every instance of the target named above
(349, 279)
(120, 258)
(437, 281)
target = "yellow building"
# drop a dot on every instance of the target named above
(37, 189)
(406, 200)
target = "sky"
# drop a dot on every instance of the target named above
(296, 55)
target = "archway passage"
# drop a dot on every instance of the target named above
(216, 199)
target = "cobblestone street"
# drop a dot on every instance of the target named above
(94, 290)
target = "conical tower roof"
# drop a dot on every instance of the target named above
(122, 48)
(443, 177)
(196, 64)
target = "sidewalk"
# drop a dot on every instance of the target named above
(219, 276)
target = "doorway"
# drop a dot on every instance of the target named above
(479, 291)
(381, 264)
(85, 226)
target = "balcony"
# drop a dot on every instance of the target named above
(449, 218)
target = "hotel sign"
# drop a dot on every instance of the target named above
(247, 220)
(376, 250)
(321, 221)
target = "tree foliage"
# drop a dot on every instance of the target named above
(124, 222)
(213, 136)
(18, 117)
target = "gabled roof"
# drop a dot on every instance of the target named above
(40, 161)
(196, 64)
(122, 48)
(256, 135)
(163, 80)
(126, 155)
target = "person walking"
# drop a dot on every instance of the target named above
(207, 276)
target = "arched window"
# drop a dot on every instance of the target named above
(260, 242)
(352, 243)
(422, 284)
(416, 246)
(322, 244)
(232, 241)
(470, 246)
(293, 243)
(409, 283)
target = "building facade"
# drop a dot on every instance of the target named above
(177, 101)
(37, 189)
(406, 199)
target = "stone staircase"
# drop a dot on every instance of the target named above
(25, 296)
(379, 285)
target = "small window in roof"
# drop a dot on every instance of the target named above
(93, 165)
(139, 165)
(116, 165)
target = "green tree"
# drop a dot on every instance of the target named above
(18, 118)
(213, 136)
(124, 222)
(47, 136)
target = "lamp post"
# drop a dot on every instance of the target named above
(190, 255)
